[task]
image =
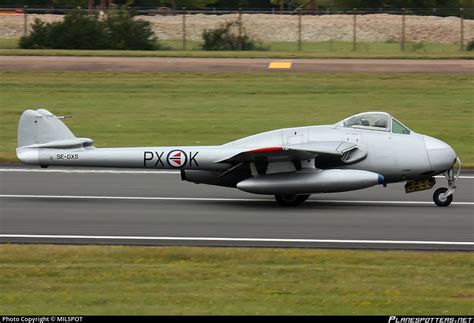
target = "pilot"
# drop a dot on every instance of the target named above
(381, 123)
(364, 122)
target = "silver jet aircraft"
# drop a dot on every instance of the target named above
(364, 150)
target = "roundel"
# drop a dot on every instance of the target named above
(177, 158)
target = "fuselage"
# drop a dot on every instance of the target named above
(361, 151)
(374, 142)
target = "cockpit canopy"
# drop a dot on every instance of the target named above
(380, 121)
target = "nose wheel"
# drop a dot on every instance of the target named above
(444, 196)
(441, 198)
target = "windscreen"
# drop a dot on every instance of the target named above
(397, 127)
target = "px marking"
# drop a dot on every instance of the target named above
(176, 158)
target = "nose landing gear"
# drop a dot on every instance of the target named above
(441, 198)
(444, 196)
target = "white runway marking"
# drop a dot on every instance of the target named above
(399, 242)
(119, 171)
(165, 198)
(88, 171)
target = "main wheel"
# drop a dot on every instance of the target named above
(291, 199)
(440, 199)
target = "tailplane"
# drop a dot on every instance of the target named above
(42, 129)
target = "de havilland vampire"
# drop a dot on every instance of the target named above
(367, 149)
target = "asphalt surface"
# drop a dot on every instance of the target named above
(200, 65)
(156, 208)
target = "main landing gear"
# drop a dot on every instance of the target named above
(444, 196)
(291, 199)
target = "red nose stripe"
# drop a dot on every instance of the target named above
(266, 150)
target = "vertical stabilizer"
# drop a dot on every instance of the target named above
(40, 127)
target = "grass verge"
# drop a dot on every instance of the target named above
(65, 280)
(147, 109)
(326, 49)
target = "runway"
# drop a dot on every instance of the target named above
(124, 206)
(231, 65)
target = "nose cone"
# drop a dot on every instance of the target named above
(440, 154)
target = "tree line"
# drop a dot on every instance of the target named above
(118, 30)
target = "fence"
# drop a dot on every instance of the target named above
(352, 29)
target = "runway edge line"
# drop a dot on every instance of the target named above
(89, 237)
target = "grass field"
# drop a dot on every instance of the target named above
(327, 49)
(199, 109)
(45, 279)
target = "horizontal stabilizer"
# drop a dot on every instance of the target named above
(65, 144)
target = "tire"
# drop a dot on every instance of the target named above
(291, 199)
(438, 200)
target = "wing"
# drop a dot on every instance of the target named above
(326, 153)
(246, 163)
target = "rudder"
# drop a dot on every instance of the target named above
(40, 127)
